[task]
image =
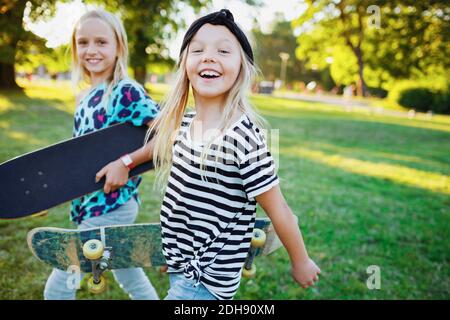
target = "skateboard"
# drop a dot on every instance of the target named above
(124, 246)
(45, 178)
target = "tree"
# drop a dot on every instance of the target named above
(374, 41)
(12, 33)
(412, 39)
(281, 39)
(150, 24)
(269, 46)
(31, 55)
(335, 23)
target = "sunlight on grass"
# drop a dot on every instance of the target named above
(385, 155)
(5, 104)
(395, 173)
(5, 125)
(281, 107)
(23, 137)
(59, 91)
(424, 124)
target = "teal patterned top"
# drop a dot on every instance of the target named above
(128, 102)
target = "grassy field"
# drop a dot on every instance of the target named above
(368, 190)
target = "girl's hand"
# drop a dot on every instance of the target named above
(116, 175)
(306, 273)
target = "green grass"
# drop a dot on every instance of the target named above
(368, 190)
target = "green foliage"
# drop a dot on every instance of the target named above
(377, 92)
(13, 35)
(410, 42)
(430, 93)
(441, 103)
(30, 56)
(150, 25)
(344, 69)
(420, 99)
(413, 37)
(11, 26)
(269, 46)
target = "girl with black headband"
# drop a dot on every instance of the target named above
(215, 167)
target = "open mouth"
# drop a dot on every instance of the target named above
(209, 74)
(93, 61)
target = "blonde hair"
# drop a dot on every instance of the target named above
(168, 122)
(79, 73)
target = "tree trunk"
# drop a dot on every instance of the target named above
(356, 48)
(12, 32)
(361, 86)
(7, 76)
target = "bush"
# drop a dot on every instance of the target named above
(420, 99)
(422, 95)
(442, 102)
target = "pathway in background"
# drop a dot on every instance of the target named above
(350, 105)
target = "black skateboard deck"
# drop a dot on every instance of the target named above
(47, 177)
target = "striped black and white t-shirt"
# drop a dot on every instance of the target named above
(207, 226)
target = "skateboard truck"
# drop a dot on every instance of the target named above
(94, 251)
(258, 241)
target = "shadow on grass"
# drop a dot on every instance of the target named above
(352, 221)
(301, 110)
(401, 146)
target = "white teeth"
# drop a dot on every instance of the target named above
(209, 73)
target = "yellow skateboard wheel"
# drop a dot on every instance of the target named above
(96, 287)
(259, 238)
(249, 273)
(93, 249)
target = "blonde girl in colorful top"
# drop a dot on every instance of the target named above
(99, 54)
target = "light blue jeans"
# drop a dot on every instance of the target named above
(133, 281)
(182, 288)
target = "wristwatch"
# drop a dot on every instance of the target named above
(127, 161)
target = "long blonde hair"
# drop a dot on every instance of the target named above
(168, 122)
(80, 74)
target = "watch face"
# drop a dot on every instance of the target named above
(127, 160)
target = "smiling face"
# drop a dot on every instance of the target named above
(96, 47)
(213, 61)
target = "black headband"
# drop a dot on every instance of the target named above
(223, 18)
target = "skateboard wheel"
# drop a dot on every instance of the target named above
(96, 287)
(259, 238)
(93, 249)
(249, 273)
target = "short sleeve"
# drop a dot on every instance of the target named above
(257, 170)
(132, 104)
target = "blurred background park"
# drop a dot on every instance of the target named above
(360, 94)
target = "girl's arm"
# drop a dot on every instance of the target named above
(304, 270)
(117, 173)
